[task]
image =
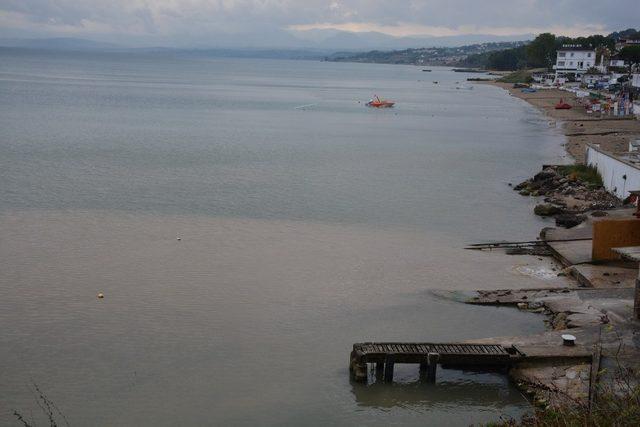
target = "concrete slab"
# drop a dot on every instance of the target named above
(572, 253)
(604, 276)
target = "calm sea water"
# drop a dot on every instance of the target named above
(307, 223)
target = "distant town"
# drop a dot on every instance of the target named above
(445, 56)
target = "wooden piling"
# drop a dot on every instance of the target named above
(424, 367)
(432, 365)
(379, 370)
(388, 367)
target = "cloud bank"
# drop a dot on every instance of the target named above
(179, 22)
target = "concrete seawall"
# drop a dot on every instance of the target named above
(618, 175)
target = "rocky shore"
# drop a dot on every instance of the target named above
(567, 197)
(597, 307)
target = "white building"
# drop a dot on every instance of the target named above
(595, 78)
(622, 43)
(616, 61)
(635, 80)
(543, 78)
(573, 60)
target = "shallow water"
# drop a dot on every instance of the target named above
(303, 230)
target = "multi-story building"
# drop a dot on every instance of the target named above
(622, 43)
(573, 60)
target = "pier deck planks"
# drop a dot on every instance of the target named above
(449, 353)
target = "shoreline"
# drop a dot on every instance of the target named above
(600, 297)
(578, 127)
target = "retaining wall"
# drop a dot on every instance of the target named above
(618, 175)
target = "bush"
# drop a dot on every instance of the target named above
(521, 76)
(584, 173)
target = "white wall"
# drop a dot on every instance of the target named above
(613, 170)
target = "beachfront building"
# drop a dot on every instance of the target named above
(616, 61)
(622, 43)
(595, 77)
(543, 78)
(572, 61)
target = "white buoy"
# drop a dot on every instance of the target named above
(178, 238)
(100, 295)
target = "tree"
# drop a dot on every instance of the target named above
(509, 59)
(630, 54)
(541, 52)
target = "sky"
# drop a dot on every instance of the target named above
(188, 22)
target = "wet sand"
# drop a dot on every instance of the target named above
(579, 127)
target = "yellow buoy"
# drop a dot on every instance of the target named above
(100, 295)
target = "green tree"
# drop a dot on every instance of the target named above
(509, 59)
(630, 54)
(541, 52)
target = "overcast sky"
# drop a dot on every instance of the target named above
(183, 21)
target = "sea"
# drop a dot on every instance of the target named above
(248, 221)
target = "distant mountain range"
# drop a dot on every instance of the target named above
(60, 43)
(319, 40)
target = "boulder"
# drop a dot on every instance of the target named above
(544, 175)
(546, 209)
(521, 186)
(569, 220)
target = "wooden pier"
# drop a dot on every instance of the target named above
(427, 356)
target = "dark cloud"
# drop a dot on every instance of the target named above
(175, 18)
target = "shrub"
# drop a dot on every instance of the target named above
(584, 173)
(521, 76)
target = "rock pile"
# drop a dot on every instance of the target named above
(566, 198)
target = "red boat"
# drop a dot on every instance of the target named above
(379, 103)
(562, 105)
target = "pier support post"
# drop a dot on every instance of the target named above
(358, 367)
(636, 298)
(424, 368)
(432, 365)
(379, 370)
(388, 368)
(360, 372)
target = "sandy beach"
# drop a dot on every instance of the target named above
(579, 127)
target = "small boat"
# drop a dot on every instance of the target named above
(426, 71)
(379, 103)
(562, 105)
(528, 90)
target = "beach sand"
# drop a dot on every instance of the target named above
(579, 127)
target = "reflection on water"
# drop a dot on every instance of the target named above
(475, 397)
(452, 388)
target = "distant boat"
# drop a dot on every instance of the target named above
(427, 71)
(376, 102)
